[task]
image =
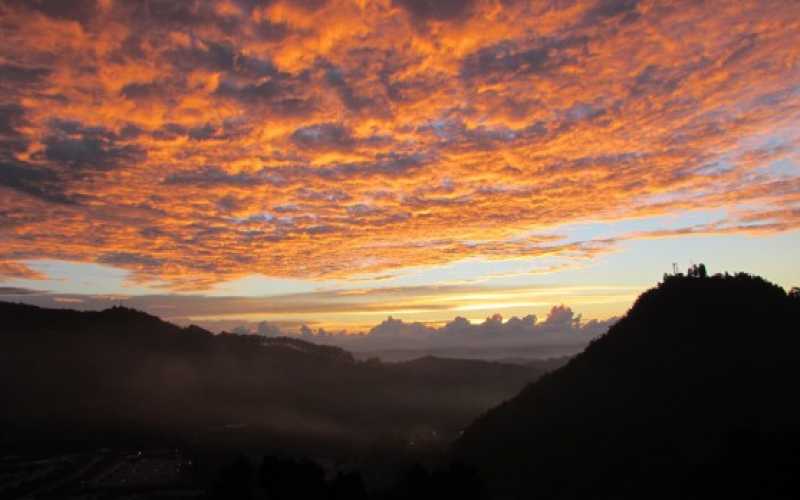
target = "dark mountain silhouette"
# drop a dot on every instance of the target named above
(693, 394)
(79, 376)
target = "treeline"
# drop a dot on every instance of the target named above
(281, 478)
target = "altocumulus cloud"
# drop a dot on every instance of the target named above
(192, 143)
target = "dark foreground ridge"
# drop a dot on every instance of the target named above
(693, 394)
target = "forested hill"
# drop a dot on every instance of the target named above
(121, 324)
(693, 394)
(70, 374)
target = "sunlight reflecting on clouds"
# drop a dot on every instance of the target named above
(195, 143)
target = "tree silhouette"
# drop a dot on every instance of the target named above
(235, 480)
(284, 479)
(697, 271)
(701, 271)
(348, 486)
(454, 480)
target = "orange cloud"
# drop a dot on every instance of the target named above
(196, 142)
(11, 269)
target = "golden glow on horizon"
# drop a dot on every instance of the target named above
(359, 312)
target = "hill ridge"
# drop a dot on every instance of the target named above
(694, 361)
(121, 371)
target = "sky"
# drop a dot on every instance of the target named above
(333, 163)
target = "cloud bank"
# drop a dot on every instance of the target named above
(561, 333)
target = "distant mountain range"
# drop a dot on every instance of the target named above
(692, 394)
(70, 375)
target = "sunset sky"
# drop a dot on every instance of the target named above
(335, 162)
